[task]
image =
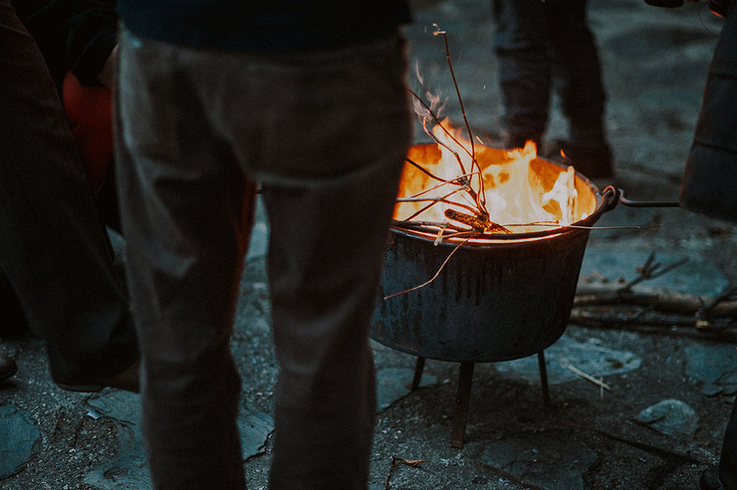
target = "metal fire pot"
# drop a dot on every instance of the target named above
(500, 298)
(492, 302)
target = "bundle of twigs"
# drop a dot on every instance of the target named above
(620, 306)
(473, 217)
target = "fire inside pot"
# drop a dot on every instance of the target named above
(489, 286)
(454, 188)
(473, 290)
(501, 288)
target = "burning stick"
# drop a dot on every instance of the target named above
(506, 185)
(515, 188)
(476, 223)
(445, 130)
(434, 201)
(482, 202)
(478, 197)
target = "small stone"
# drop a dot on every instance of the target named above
(715, 366)
(670, 417)
(128, 470)
(544, 460)
(20, 441)
(710, 389)
(392, 384)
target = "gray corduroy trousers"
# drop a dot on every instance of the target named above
(324, 134)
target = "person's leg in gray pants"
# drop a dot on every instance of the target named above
(325, 135)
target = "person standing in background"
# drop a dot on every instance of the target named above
(78, 40)
(546, 45)
(709, 187)
(53, 254)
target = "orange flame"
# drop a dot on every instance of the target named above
(520, 192)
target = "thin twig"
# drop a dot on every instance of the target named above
(424, 170)
(588, 377)
(705, 311)
(666, 270)
(438, 186)
(464, 233)
(420, 225)
(435, 200)
(433, 277)
(698, 14)
(481, 200)
(444, 200)
(646, 227)
(442, 127)
(650, 271)
(554, 224)
(433, 203)
(447, 147)
(395, 459)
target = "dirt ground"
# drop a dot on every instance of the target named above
(655, 64)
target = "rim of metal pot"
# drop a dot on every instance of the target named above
(606, 201)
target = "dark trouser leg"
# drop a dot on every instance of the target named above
(51, 246)
(106, 201)
(523, 51)
(728, 460)
(324, 264)
(12, 319)
(577, 73)
(186, 209)
(329, 171)
(577, 79)
(329, 211)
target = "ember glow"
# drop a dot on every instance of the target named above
(520, 192)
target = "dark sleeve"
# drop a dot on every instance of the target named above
(76, 35)
(91, 35)
(710, 179)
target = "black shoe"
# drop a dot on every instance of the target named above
(593, 161)
(8, 367)
(710, 480)
(128, 380)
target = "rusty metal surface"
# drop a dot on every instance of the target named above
(489, 303)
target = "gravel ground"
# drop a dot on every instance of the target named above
(655, 64)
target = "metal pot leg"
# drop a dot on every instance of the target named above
(417, 378)
(543, 377)
(463, 395)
